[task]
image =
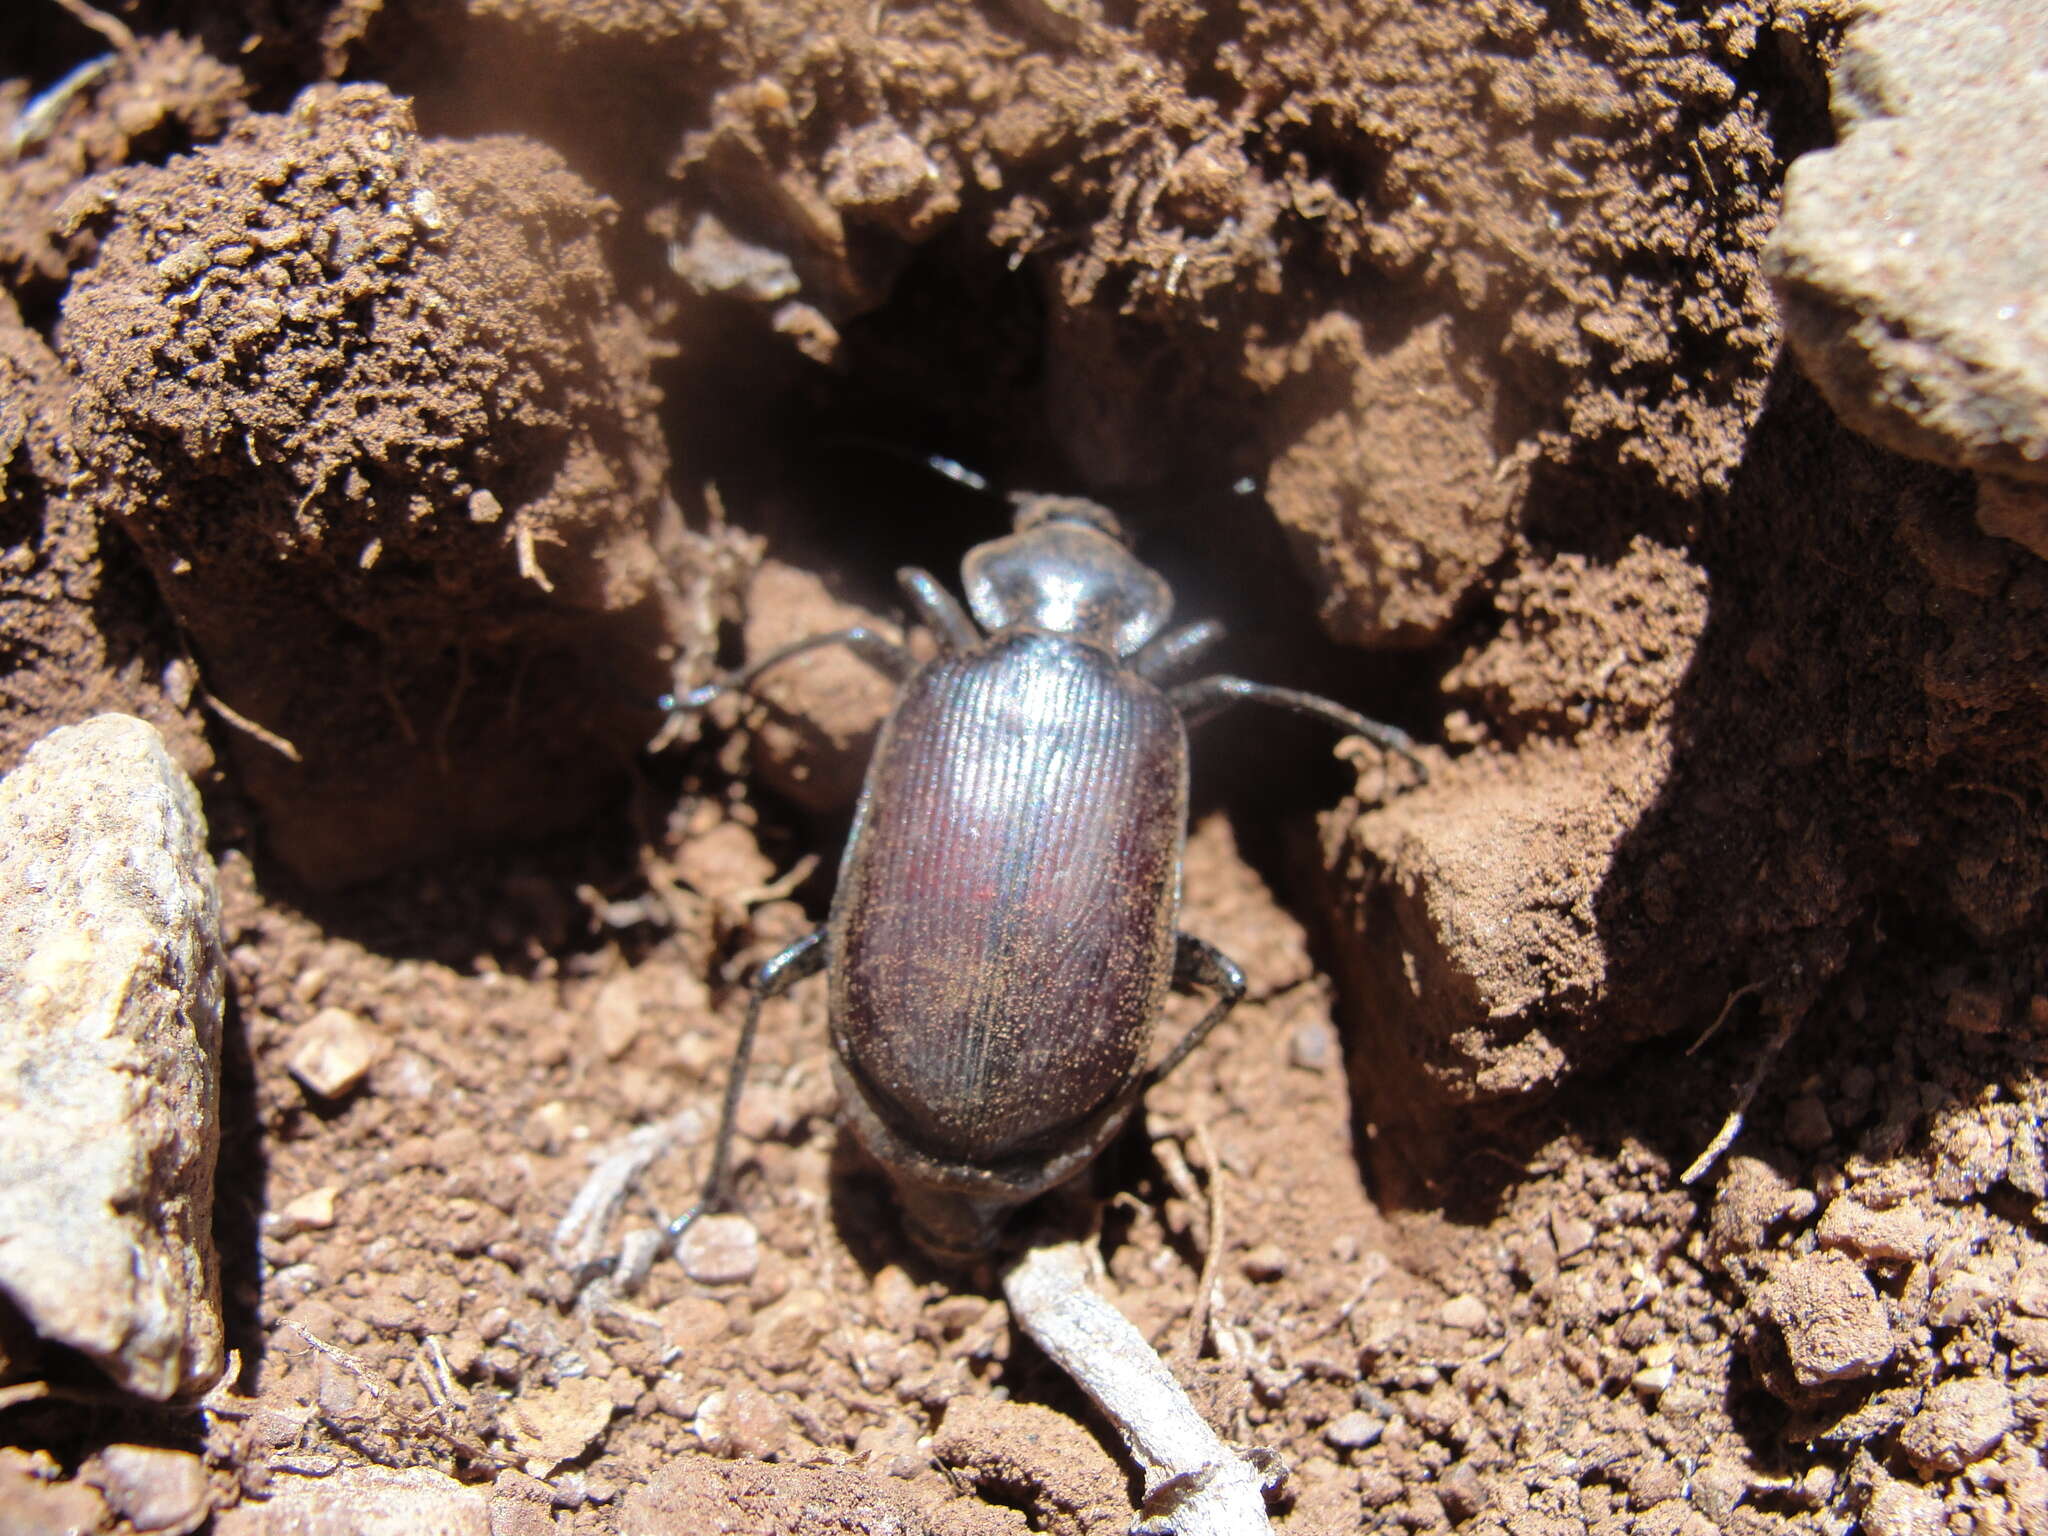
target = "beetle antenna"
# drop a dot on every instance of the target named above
(936, 463)
(957, 472)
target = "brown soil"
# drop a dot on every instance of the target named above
(391, 446)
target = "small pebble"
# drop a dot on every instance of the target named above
(720, 1250)
(1465, 1312)
(1651, 1380)
(742, 1422)
(1572, 1234)
(311, 1212)
(1962, 1298)
(333, 1051)
(1266, 1263)
(1354, 1431)
(1314, 1046)
(2030, 1290)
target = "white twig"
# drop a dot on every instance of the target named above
(1732, 1126)
(581, 1236)
(1195, 1485)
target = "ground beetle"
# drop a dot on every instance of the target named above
(1002, 937)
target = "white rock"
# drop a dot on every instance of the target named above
(333, 1051)
(110, 997)
(311, 1212)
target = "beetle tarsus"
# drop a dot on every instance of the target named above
(778, 973)
(1198, 963)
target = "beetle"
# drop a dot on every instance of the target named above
(1002, 937)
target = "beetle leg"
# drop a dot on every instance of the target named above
(1198, 963)
(940, 609)
(1198, 701)
(1163, 654)
(806, 957)
(877, 650)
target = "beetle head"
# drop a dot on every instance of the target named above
(1066, 569)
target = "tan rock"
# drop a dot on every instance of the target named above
(110, 985)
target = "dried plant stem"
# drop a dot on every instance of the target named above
(1195, 1485)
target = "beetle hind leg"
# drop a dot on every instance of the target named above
(1198, 963)
(806, 957)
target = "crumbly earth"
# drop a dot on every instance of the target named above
(1431, 329)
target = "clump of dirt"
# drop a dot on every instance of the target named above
(1635, 1131)
(165, 92)
(371, 411)
(78, 630)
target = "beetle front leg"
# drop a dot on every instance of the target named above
(1198, 963)
(1198, 701)
(806, 957)
(886, 656)
(940, 609)
(1165, 654)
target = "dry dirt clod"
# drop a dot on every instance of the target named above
(38, 1504)
(363, 1501)
(1466, 1313)
(1899, 1235)
(1900, 1509)
(787, 1334)
(1075, 1484)
(110, 983)
(1266, 1263)
(1962, 1421)
(387, 337)
(693, 1496)
(1833, 1324)
(546, 1426)
(160, 1492)
(741, 1422)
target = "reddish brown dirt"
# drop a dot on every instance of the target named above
(402, 423)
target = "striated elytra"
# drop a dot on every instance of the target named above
(1002, 938)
